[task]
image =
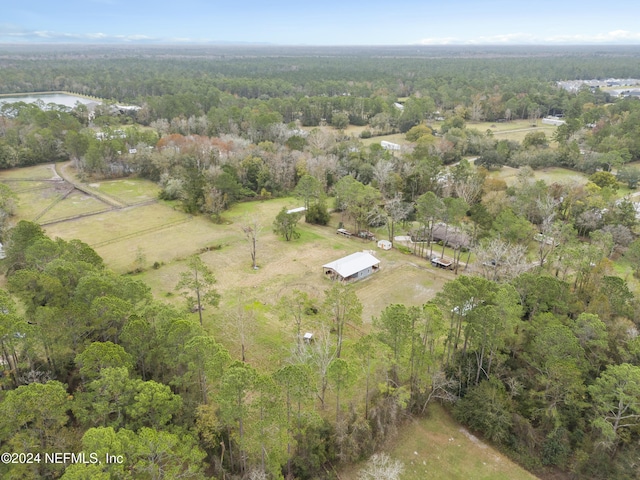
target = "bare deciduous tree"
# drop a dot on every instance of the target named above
(500, 260)
(441, 389)
(251, 228)
(470, 189)
(381, 467)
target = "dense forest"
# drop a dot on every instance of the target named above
(537, 349)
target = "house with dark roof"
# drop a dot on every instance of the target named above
(453, 236)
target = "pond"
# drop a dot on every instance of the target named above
(58, 98)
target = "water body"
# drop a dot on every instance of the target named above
(58, 98)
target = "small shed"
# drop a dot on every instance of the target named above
(297, 210)
(307, 337)
(2, 254)
(553, 121)
(385, 244)
(352, 267)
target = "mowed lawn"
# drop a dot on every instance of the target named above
(36, 189)
(287, 266)
(515, 130)
(75, 204)
(283, 268)
(162, 234)
(129, 191)
(37, 172)
(126, 227)
(437, 447)
(33, 202)
(549, 175)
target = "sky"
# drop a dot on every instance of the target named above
(323, 22)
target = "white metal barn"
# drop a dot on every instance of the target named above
(352, 267)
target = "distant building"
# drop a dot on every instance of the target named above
(297, 210)
(553, 121)
(352, 267)
(389, 145)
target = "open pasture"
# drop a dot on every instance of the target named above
(130, 191)
(32, 203)
(37, 172)
(287, 266)
(549, 175)
(515, 130)
(117, 225)
(162, 243)
(437, 447)
(73, 205)
(143, 234)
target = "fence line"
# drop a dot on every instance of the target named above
(53, 204)
(76, 217)
(156, 228)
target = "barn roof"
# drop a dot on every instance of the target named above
(354, 263)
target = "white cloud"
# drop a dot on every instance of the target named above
(614, 37)
(12, 33)
(441, 41)
(508, 38)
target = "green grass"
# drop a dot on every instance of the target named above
(20, 186)
(38, 172)
(31, 203)
(437, 447)
(129, 190)
(398, 138)
(515, 130)
(77, 203)
(168, 236)
(560, 175)
(549, 175)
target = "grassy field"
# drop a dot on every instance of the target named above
(283, 267)
(129, 191)
(73, 205)
(38, 172)
(437, 447)
(557, 175)
(514, 130)
(549, 175)
(398, 138)
(116, 224)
